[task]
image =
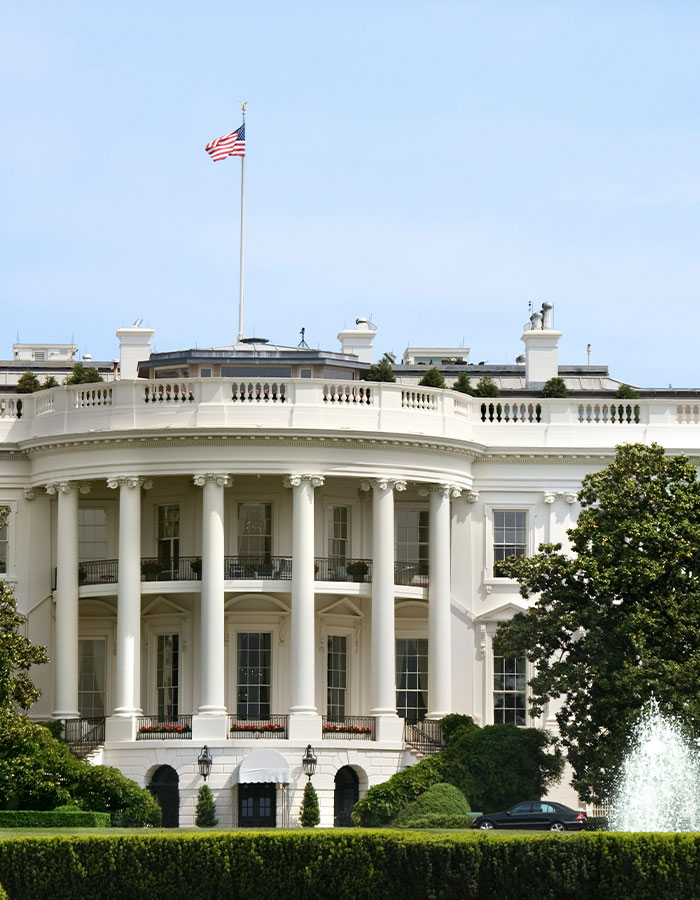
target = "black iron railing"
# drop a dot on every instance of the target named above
(411, 572)
(163, 728)
(267, 568)
(185, 568)
(425, 736)
(84, 735)
(357, 570)
(99, 571)
(355, 728)
(265, 727)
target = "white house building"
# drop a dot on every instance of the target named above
(251, 548)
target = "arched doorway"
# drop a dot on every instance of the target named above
(164, 787)
(345, 796)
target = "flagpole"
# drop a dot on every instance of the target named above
(240, 295)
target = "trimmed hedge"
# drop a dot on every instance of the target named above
(435, 820)
(439, 799)
(55, 818)
(357, 865)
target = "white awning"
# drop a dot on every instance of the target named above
(264, 767)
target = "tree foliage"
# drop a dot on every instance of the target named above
(464, 385)
(28, 383)
(49, 382)
(205, 816)
(555, 387)
(487, 387)
(381, 371)
(626, 392)
(309, 815)
(617, 622)
(17, 655)
(433, 378)
(83, 375)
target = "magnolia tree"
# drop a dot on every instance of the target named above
(617, 621)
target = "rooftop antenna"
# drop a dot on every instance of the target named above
(302, 345)
(137, 323)
(588, 351)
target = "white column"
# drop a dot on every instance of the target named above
(439, 595)
(303, 697)
(212, 651)
(383, 687)
(66, 632)
(128, 686)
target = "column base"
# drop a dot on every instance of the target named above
(389, 729)
(65, 714)
(304, 727)
(437, 715)
(209, 727)
(120, 728)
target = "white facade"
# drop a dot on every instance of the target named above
(217, 552)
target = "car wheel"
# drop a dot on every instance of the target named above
(486, 825)
(557, 826)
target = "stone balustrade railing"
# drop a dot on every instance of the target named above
(368, 407)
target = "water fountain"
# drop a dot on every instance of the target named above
(659, 784)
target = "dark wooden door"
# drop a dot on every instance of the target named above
(257, 806)
(164, 787)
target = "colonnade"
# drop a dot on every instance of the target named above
(212, 649)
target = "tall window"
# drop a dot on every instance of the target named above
(4, 545)
(509, 535)
(255, 529)
(168, 675)
(91, 677)
(92, 534)
(509, 690)
(337, 677)
(254, 657)
(412, 678)
(339, 533)
(169, 538)
(412, 535)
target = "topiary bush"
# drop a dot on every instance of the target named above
(384, 802)
(309, 815)
(464, 385)
(626, 392)
(433, 378)
(206, 808)
(439, 799)
(487, 387)
(381, 371)
(555, 387)
(105, 789)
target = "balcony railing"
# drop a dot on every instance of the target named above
(410, 572)
(266, 568)
(185, 568)
(163, 728)
(355, 728)
(84, 735)
(357, 570)
(265, 727)
(99, 571)
(424, 736)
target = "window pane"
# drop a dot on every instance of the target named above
(255, 529)
(412, 535)
(509, 535)
(3, 549)
(509, 690)
(168, 675)
(412, 678)
(339, 533)
(336, 677)
(92, 534)
(254, 671)
(91, 677)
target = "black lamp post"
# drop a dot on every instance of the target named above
(309, 761)
(204, 761)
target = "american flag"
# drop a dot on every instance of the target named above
(229, 145)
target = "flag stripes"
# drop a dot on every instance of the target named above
(232, 144)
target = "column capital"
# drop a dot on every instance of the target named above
(549, 497)
(383, 484)
(63, 487)
(446, 490)
(29, 493)
(570, 496)
(130, 481)
(295, 480)
(212, 477)
(471, 496)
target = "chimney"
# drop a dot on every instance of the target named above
(134, 346)
(358, 340)
(541, 355)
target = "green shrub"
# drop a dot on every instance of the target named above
(435, 820)
(83, 375)
(105, 789)
(352, 865)
(596, 823)
(487, 387)
(206, 808)
(433, 378)
(464, 385)
(309, 815)
(381, 371)
(69, 817)
(626, 392)
(384, 802)
(440, 798)
(555, 387)
(28, 383)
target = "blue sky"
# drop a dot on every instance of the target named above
(433, 165)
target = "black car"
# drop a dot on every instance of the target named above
(534, 814)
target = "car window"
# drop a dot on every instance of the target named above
(546, 808)
(521, 808)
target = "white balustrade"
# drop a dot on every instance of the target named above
(44, 403)
(419, 400)
(511, 412)
(609, 413)
(351, 394)
(169, 392)
(10, 408)
(258, 392)
(92, 396)
(688, 415)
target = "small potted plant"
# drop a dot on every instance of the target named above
(150, 569)
(196, 566)
(357, 569)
